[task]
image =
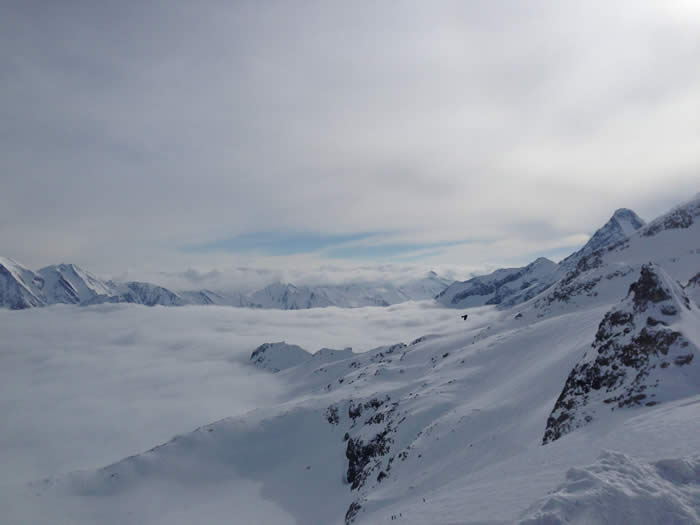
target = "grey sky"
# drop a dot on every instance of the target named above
(481, 132)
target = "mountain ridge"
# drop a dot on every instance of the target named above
(67, 283)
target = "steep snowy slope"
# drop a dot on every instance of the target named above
(643, 354)
(68, 283)
(500, 286)
(601, 277)
(623, 224)
(19, 287)
(511, 286)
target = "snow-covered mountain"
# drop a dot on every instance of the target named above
(595, 382)
(671, 241)
(500, 286)
(19, 287)
(69, 284)
(623, 224)
(511, 286)
(289, 297)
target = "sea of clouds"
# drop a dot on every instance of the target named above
(81, 387)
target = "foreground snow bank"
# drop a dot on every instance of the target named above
(618, 489)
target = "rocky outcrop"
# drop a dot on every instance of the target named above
(639, 356)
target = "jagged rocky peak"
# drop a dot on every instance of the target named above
(623, 223)
(279, 356)
(626, 220)
(648, 289)
(641, 356)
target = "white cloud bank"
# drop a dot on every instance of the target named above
(83, 387)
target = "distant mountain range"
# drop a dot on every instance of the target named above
(511, 286)
(69, 284)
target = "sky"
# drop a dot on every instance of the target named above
(205, 136)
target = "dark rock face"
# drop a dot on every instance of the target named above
(634, 350)
(352, 512)
(680, 218)
(359, 454)
(647, 289)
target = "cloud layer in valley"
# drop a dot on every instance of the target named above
(83, 387)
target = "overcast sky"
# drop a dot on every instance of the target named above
(170, 135)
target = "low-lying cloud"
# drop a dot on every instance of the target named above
(81, 387)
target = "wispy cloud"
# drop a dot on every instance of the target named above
(277, 243)
(414, 251)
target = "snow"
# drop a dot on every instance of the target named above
(443, 428)
(505, 286)
(620, 489)
(70, 284)
(475, 402)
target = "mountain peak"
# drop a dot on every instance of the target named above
(623, 223)
(625, 220)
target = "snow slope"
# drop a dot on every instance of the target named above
(500, 286)
(70, 284)
(511, 286)
(621, 489)
(449, 428)
(604, 275)
(445, 430)
(623, 224)
(19, 287)
(642, 355)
